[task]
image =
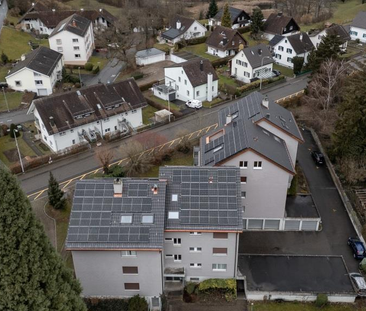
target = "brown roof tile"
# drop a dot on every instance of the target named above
(222, 38)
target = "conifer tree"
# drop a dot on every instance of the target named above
(33, 276)
(55, 194)
(212, 9)
(226, 17)
(257, 22)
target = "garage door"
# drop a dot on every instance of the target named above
(292, 225)
(42, 92)
(272, 224)
(309, 225)
(255, 224)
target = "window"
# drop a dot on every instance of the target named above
(364, 35)
(280, 48)
(195, 28)
(246, 74)
(147, 219)
(278, 56)
(168, 256)
(291, 27)
(73, 141)
(174, 197)
(60, 49)
(194, 279)
(195, 265)
(177, 87)
(219, 266)
(177, 257)
(243, 179)
(177, 241)
(289, 51)
(62, 133)
(245, 64)
(243, 164)
(107, 130)
(77, 56)
(243, 194)
(195, 249)
(220, 235)
(185, 82)
(75, 40)
(38, 82)
(353, 33)
(76, 48)
(232, 42)
(126, 219)
(219, 251)
(36, 74)
(18, 83)
(132, 286)
(130, 270)
(173, 215)
(198, 93)
(58, 41)
(195, 233)
(289, 59)
(128, 253)
(187, 93)
(257, 165)
(168, 239)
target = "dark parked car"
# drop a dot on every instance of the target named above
(276, 73)
(358, 249)
(318, 157)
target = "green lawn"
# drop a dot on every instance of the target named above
(14, 43)
(101, 61)
(214, 102)
(163, 47)
(199, 50)
(343, 13)
(8, 143)
(288, 72)
(12, 19)
(296, 306)
(94, 4)
(148, 113)
(251, 41)
(13, 98)
(162, 102)
(226, 80)
(4, 71)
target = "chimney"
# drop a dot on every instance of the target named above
(179, 24)
(260, 51)
(53, 10)
(209, 87)
(229, 118)
(22, 57)
(201, 65)
(301, 36)
(265, 102)
(52, 121)
(73, 23)
(210, 180)
(154, 189)
(117, 187)
(279, 14)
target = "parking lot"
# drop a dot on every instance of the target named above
(336, 225)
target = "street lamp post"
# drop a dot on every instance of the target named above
(16, 143)
(6, 100)
(260, 84)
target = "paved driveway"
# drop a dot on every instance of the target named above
(3, 12)
(337, 227)
(107, 75)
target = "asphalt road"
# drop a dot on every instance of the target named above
(107, 75)
(79, 164)
(337, 226)
(16, 117)
(3, 12)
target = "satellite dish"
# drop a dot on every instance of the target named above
(241, 47)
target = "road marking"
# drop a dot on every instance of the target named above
(171, 144)
(68, 183)
(40, 193)
(82, 177)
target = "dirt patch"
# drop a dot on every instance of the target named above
(178, 305)
(11, 155)
(153, 72)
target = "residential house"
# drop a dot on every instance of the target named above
(358, 27)
(279, 24)
(251, 63)
(285, 48)
(194, 79)
(149, 56)
(183, 28)
(78, 117)
(37, 71)
(261, 138)
(317, 35)
(149, 236)
(225, 42)
(239, 18)
(44, 21)
(73, 37)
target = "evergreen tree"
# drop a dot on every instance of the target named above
(212, 9)
(226, 17)
(257, 22)
(33, 276)
(349, 137)
(298, 63)
(14, 131)
(4, 58)
(137, 303)
(55, 194)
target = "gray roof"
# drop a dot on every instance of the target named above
(173, 32)
(276, 39)
(75, 24)
(234, 13)
(256, 53)
(301, 42)
(208, 198)
(95, 219)
(42, 60)
(148, 53)
(360, 20)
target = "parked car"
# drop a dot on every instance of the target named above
(359, 282)
(276, 72)
(194, 103)
(318, 157)
(358, 249)
(3, 85)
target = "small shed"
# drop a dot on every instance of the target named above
(162, 115)
(149, 56)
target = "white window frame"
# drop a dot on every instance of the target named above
(195, 265)
(215, 267)
(257, 165)
(177, 242)
(243, 165)
(173, 215)
(243, 196)
(195, 249)
(195, 233)
(128, 253)
(177, 258)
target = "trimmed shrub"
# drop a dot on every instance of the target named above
(106, 304)
(137, 303)
(159, 106)
(190, 287)
(321, 300)
(226, 286)
(255, 84)
(193, 41)
(220, 62)
(137, 75)
(96, 70)
(88, 66)
(145, 87)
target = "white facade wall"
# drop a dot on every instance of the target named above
(141, 61)
(196, 30)
(205, 257)
(243, 71)
(36, 25)
(284, 57)
(66, 139)
(27, 79)
(358, 33)
(100, 273)
(216, 52)
(84, 47)
(318, 38)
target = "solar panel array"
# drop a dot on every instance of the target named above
(96, 214)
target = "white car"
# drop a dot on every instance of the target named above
(194, 103)
(359, 282)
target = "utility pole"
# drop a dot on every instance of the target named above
(6, 100)
(20, 156)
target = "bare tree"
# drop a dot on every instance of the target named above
(104, 155)
(139, 160)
